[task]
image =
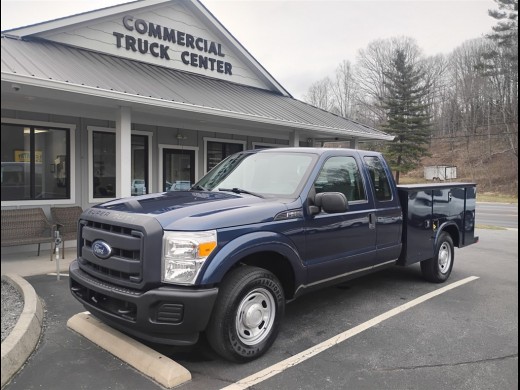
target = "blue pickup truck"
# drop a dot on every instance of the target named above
(259, 230)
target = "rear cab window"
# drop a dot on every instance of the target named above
(379, 178)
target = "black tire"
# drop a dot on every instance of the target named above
(438, 268)
(247, 314)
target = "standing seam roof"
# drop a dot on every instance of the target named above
(105, 72)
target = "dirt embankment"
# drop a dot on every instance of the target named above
(488, 161)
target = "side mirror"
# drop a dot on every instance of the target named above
(330, 202)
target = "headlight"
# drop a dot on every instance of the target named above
(184, 254)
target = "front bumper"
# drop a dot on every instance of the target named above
(166, 315)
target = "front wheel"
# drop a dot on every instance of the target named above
(247, 314)
(438, 268)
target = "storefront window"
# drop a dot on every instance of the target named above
(104, 160)
(140, 165)
(178, 169)
(218, 151)
(35, 163)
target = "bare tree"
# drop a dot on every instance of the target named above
(372, 65)
(344, 90)
(319, 94)
(469, 85)
(436, 76)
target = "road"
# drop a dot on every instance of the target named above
(497, 214)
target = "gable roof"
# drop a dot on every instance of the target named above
(28, 58)
(43, 29)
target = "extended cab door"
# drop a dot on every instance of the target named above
(343, 243)
(388, 212)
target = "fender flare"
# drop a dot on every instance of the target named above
(248, 244)
(442, 228)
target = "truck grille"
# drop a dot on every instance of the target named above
(124, 266)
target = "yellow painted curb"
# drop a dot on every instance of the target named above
(144, 359)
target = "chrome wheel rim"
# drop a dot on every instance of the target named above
(444, 258)
(255, 316)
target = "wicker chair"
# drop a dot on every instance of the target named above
(66, 220)
(27, 226)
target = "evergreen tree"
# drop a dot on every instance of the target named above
(505, 38)
(505, 32)
(407, 114)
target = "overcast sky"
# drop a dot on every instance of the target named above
(300, 42)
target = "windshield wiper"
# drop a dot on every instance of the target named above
(240, 191)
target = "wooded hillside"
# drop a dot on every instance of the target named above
(468, 102)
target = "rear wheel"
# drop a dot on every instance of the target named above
(438, 268)
(247, 314)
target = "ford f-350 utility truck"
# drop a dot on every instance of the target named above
(260, 229)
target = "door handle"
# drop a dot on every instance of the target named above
(372, 220)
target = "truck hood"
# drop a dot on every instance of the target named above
(204, 210)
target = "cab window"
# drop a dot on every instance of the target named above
(341, 174)
(379, 178)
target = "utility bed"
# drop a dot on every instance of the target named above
(427, 209)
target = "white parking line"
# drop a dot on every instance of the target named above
(308, 353)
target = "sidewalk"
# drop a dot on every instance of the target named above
(29, 264)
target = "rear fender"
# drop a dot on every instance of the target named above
(452, 229)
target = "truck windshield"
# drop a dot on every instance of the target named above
(270, 174)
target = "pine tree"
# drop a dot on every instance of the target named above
(505, 32)
(505, 37)
(407, 114)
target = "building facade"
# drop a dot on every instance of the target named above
(139, 98)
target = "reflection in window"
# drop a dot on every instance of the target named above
(35, 163)
(104, 160)
(218, 151)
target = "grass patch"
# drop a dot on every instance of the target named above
(493, 197)
(489, 227)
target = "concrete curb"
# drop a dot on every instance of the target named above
(22, 340)
(144, 359)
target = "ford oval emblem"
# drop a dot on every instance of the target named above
(101, 249)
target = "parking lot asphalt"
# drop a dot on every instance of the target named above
(466, 338)
(66, 360)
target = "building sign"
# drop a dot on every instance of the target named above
(201, 53)
(25, 156)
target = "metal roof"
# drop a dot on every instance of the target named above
(44, 61)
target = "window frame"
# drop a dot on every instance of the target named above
(221, 140)
(90, 131)
(90, 152)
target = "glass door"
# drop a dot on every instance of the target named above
(140, 185)
(178, 169)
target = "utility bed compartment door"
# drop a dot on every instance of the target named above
(417, 230)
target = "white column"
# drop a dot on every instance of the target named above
(354, 143)
(294, 139)
(124, 152)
